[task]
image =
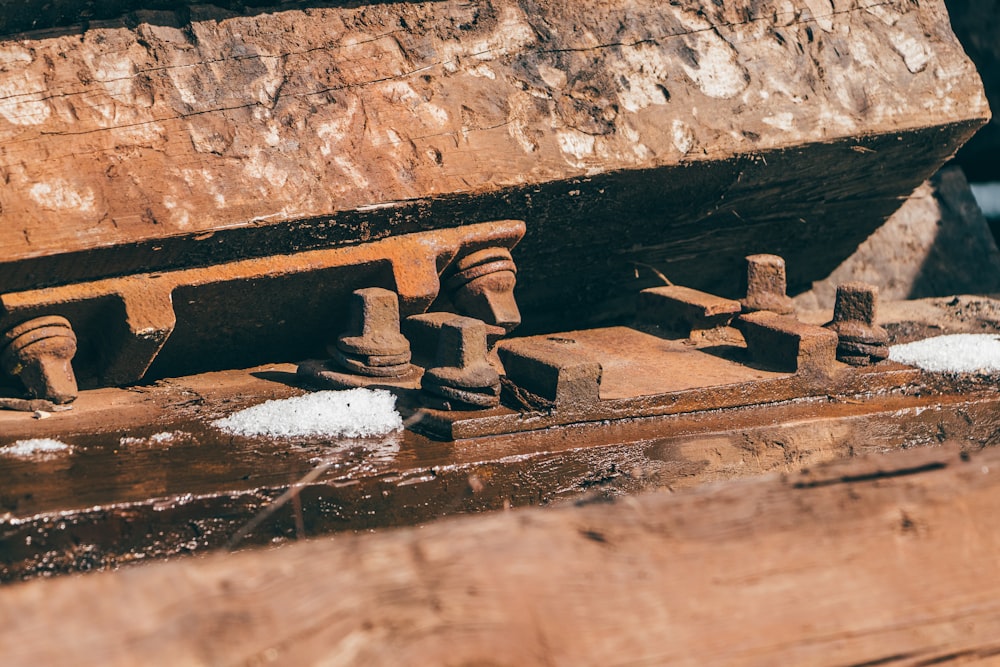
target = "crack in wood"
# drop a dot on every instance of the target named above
(340, 46)
(870, 477)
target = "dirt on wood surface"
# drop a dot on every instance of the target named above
(877, 560)
(176, 141)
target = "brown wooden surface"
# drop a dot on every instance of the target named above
(122, 495)
(622, 131)
(161, 129)
(884, 560)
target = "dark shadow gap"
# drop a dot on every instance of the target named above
(37, 19)
(964, 258)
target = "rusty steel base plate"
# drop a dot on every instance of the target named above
(147, 475)
(649, 375)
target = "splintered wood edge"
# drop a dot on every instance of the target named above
(848, 563)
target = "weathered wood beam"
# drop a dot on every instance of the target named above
(881, 560)
(173, 485)
(682, 136)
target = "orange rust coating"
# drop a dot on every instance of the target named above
(644, 374)
(688, 310)
(787, 343)
(415, 262)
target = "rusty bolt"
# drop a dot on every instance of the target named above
(462, 378)
(862, 342)
(766, 285)
(481, 285)
(39, 352)
(373, 345)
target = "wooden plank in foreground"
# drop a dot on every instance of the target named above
(883, 560)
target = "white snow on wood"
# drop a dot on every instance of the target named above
(958, 353)
(355, 413)
(161, 439)
(26, 449)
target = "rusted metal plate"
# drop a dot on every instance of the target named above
(623, 409)
(645, 375)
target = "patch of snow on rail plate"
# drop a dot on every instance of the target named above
(37, 448)
(355, 413)
(164, 439)
(958, 353)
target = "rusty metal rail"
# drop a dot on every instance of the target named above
(191, 316)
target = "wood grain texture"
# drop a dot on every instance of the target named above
(883, 560)
(124, 148)
(152, 479)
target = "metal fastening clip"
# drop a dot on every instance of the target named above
(481, 285)
(767, 285)
(39, 352)
(462, 377)
(861, 341)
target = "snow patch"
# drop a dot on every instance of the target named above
(957, 353)
(39, 447)
(355, 413)
(157, 439)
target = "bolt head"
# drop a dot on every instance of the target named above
(856, 302)
(767, 285)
